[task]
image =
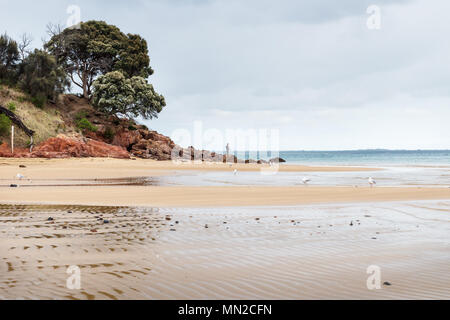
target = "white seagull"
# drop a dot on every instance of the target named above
(20, 176)
(371, 182)
(306, 180)
(235, 172)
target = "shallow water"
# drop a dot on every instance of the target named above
(301, 252)
(389, 176)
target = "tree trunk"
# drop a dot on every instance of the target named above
(85, 86)
(16, 120)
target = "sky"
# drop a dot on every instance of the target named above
(310, 70)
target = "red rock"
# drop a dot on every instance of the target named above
(126, 138)
(5, 151)
(66, 147)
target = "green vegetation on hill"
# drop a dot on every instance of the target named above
(42, 78)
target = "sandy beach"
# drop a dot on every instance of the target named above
(136, 237)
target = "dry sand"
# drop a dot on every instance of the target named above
(214, 196)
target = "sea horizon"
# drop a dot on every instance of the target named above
(354, 157)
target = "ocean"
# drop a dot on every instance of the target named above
(358, 157)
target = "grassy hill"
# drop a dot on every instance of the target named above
(47, 121)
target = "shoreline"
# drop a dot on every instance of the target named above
(66, 171)
(86, 168)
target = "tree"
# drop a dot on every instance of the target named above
(97, 48)
(9, 58)
(115, 94)
(41, 76)
(24, 45)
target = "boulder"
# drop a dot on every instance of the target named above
(277, 160)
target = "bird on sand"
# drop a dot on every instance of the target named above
(371, 182)
(235, 172)
(306, 180)
(20, 176)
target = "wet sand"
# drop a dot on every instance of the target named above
(306, 252)
(101, 168)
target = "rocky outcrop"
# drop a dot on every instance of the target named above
(144, 143)
(68, 147)
(126, 138)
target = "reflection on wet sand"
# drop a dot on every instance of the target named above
(128, 181)
(301, 252)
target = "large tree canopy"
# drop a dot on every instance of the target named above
(116, 94)
(97, 48)
(41, 76)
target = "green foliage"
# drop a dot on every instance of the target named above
(134, 59)
(117, 95)
(41, 77)
(9, 58)
(97, 48)
(81, 114)
(38, 101)
(109, 134)
(11, 106)
(132, 127)
(5, 124)
(85, 124)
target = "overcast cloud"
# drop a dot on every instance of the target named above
(311, 69)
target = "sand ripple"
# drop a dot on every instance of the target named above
(303, 252)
